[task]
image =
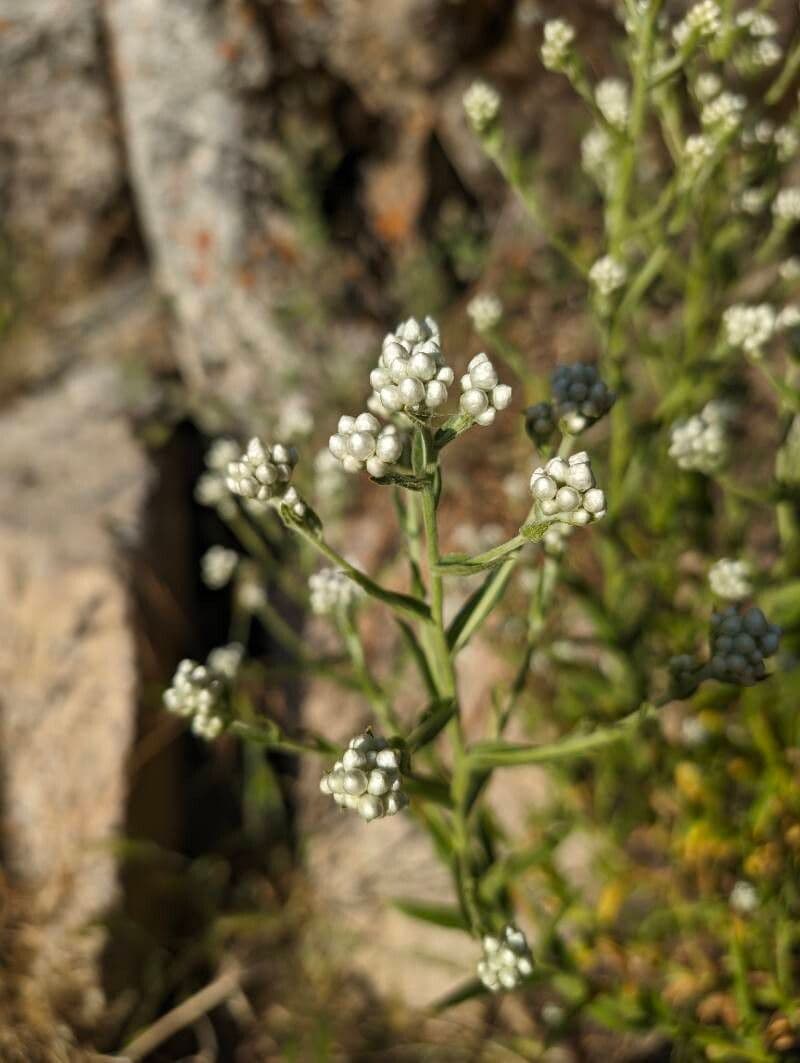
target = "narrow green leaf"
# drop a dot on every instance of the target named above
(478, 606)
(446, 915)
(418, 654)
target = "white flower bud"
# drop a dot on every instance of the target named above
(367, 778)
(565, 490)
(730, 579)
(482, 395)
(611, 96)
(481, 105)
(506, 960)
(557, 44)
(217, 566)
(263, 472)
(749, 327)
(607, 275)
(485, 310)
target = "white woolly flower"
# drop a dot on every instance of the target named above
(701, 442)
(693, 731)
(558, 38)
(580, 396)
(612, 99)
(724, 113)
(740, 641)
(485, 311)
(701, 22)
(411, 375)
(707, 86)
(367, 779)
(597, 156)
(697, 150)
(743, 897)
(217, 565)
(786, 205)
(789, 269)
(753, 200)
(788, 318)
(481, 105)
(730, 579)
(787, 143)
(566, 491)
(226, 660)
(211, 490)
(295, 418)
(749, 327)
(607, 275)
(757, 23)
(360, 443)
(251, 594)
(482, 395)
(200, 692)
(331, 590)
(221, 453)
(262, 475)
(506, 960)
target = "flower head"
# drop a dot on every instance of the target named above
(217, 565)
(485, 310)
(701, 442)
(367, 779)
(361, 443)
(701, 22)
(597, 156)
(730, 579)
(786, 205)
(749, 327)
(565, 490)
(613, 102)
(411, 375)
(331, 590)
(481, 105)
(506, 960)
(743, 897)
(580, 397)
(607, 275)
(263, 472)
(482, 395)
(201, 692)
(723, 114)
(557, 44)
(740, 641)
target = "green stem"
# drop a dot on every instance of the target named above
(404, 604)
(505, 755)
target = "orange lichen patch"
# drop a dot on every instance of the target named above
(229, 50)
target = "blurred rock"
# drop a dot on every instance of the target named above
(72, 487)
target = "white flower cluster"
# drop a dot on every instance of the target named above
(566, 490)
(506, 961)
(749, 327)
(210, 489)
(558, 38)
(217, 566)
(481, 105)
(788, 318)
(330, 480)
(743, 897)
(730, 579)
(485, 311)
(597, 156)
(753, 200)
(295, 418)
(200, 691)
(361, 443)
(482, 395)
(411, 374)
(724, 113)
(701, 22)
(697, 150)
(757, 23)
(786, 206)
(332, 590)
(580, 397)
(540, 422)
(789, 269)
(787, 143)
(613, 101)
(607, 275)
(739, 643)
(367, 778)
(701, 442)
(263, 473)
(707, 86)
